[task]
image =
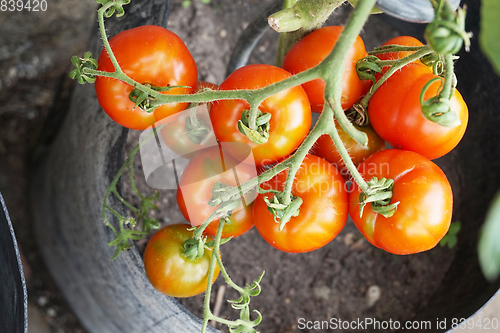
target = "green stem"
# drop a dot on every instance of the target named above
(228, 280)
(295, 161)
(395, 48)
(447, 91)
(252, 116)
(337, 59)
(192, 116)
(104, 37)
(207, 314)
(334, 134)
(398, 64)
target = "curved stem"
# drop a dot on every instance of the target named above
(207, 314)
(395, 48)
(447, 91)
(337, 59)
(295, 161)
(104, 37)
(346, 158)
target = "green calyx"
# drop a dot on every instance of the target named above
(196, 129)
(194, 248)
(144, 100)
(282, 211)
(379, 195)
(368, 67)
(259, 135)
(225, 207)
(438, 108)
(80, 65)
(446, 33)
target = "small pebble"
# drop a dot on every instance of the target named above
(51, 312)
(42, 300)
(373, 295)
(349, 239)
(223, 33)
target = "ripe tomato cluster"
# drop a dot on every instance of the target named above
(420, 189)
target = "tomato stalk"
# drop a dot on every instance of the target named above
(242, 303)
(123, 236)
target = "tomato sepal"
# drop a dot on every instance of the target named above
(438, 109)
(367, 68)
(261, 134)
(282, 213)
(379, 195)
(80, 65)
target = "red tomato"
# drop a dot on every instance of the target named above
(322, 215)
(149, 55)
(326, 149)
(289, 109)
(168, 270)
(213, 165)
(314, 48)
(175, 135)
(425, 199)
(395, 114)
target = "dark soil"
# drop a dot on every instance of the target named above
(331, 282)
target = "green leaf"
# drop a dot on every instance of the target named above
(489, 33)
(489, 246)
(450, 238)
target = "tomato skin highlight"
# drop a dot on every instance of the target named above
(325, 148)
(195, 190)
(168, 270)
(290, 114)
(149, 55)
(424, 213)
(323, 212)
(314, 48)
(395, 114)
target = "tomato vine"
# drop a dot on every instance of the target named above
(296, 19)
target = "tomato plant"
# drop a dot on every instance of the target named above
(290, 114)
(180, 138)
(325, 148)
(149, 55)
(169, 271)
(209, 166)
(423, 214)
(313, 49)
(261, 117)
(396, 115)
(323, 212)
